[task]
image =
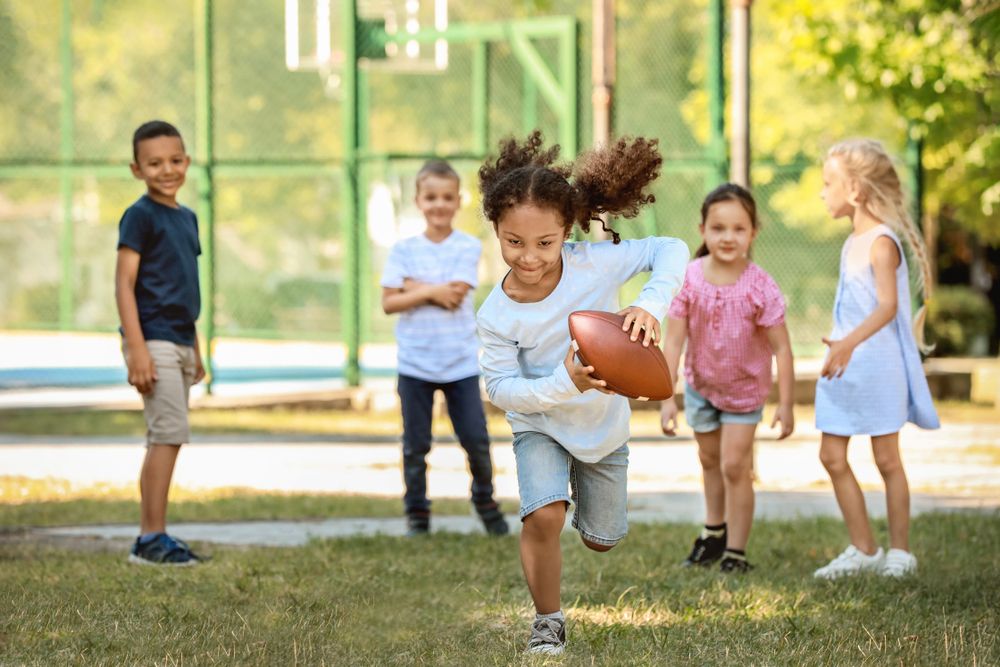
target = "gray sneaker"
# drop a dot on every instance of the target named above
(548, 636)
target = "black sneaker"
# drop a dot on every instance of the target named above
(162, 550)
(706, 551)
(418, 524)
(735, 564)
(493, 519)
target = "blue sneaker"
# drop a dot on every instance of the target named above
(162, 550)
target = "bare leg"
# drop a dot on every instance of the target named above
(154, 484)
(737, 474)
(833, 455)
(885, 448)
(715, 491)
(541, 555)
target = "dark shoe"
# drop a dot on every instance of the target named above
(706, 551)
(162, 550)
(735, 564)
(493, 519)
(418, 524)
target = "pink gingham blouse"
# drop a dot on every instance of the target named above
(728, 358)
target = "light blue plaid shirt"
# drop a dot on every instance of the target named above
(435, 344)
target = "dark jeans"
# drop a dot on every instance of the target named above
(465, 407)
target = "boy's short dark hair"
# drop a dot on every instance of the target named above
(151, 130)
(438, 168)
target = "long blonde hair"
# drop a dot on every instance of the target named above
(868, 163)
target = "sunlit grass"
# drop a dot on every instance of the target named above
(461, 600)
(28, 502)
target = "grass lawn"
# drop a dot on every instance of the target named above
(461, 600)
(290, 421)
(26, 502)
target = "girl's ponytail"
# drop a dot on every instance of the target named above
(607, 180)
(610, 180)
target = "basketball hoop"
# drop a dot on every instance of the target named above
(312, 33)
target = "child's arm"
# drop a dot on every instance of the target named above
(199, 367)
(666, 259)
(510, 391)
(141, 369)
(673, 343)
(413, 294)
(455, 293)
(884, 260)
(777, 336)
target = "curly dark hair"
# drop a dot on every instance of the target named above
(608, 180)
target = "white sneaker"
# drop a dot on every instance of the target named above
(851, 562)
(548, 636)
(899, 563)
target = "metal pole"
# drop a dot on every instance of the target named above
(915, 165)
(603, 69)
(914, 160)
(740, 150)
(67, 140)
(529, 102)
(204, 157)
(569, 116)
(602, 77)
(350, 298)
(363, 171)
(716, 96)
(480, 97)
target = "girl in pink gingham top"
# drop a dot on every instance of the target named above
(732, 314)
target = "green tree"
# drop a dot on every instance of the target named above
(936, 63)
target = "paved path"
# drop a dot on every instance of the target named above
(959, 459)
(955, 468)
(644, 508)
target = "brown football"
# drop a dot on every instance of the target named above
(629, 368)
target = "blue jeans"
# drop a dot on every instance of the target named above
(465, 408)
(546, 471)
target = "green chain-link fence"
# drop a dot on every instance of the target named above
(80, 75)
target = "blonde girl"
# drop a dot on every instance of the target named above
(872, 381)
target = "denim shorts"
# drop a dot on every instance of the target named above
(546, 472)
(704, 417)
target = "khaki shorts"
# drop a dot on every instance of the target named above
(166, 407)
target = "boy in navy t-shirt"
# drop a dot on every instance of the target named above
(156, 289)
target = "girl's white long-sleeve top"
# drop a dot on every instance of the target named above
(525, 344)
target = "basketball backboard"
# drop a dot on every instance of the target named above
(313, 34)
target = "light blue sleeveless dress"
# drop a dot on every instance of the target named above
(884, 385)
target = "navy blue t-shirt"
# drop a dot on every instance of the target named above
(166, 288)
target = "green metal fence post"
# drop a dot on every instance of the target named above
(915, 166)
(481, 97)
(204, 157)
(529, 102)
(716, 96)
(569, 61)
(366, 299)
(350, 301)
(67, 142)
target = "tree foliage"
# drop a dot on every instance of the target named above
(936, 63)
